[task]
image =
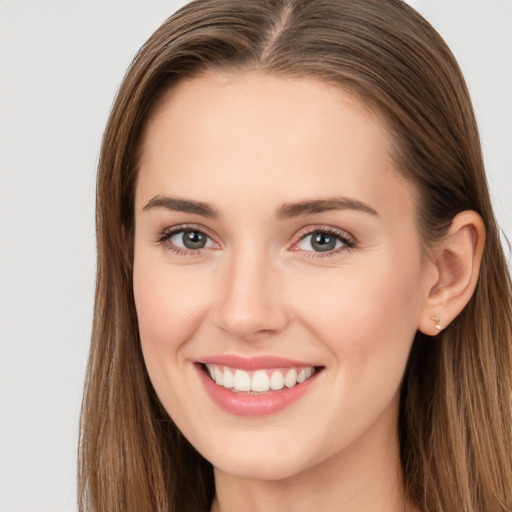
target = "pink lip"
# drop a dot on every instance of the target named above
(253, 363)
(244, 404)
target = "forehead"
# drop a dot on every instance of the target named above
(287, 138)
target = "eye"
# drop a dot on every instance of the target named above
(324, 241)
(189, 239)
(183, 240)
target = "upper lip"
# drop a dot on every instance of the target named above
(264, 362)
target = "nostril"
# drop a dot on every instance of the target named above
(247, 322)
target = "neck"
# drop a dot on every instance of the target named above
(366, 476)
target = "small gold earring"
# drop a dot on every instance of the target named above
(437, 320)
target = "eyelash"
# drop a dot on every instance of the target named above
(347, 240)
(165, 235)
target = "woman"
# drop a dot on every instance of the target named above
(302, 300)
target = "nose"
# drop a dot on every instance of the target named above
(250, 303)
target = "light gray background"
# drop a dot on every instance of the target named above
(60, 65)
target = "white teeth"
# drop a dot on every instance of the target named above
(260, 381)
(219, 376)
(242, 381)
(228, 379)
(276, 380)
(291, 378)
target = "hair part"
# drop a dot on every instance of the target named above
(455, 415)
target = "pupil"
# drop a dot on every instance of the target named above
(194, 240)
(322, 242)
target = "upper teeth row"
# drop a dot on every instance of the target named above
(260, 380)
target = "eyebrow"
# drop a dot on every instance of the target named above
(181, 205)
(289, 210)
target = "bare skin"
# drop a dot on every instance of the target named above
(230, 161)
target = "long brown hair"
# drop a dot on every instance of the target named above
(455, 422)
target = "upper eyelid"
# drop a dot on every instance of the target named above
(172, 230)
(309, 230)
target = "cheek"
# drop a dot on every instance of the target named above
(169, 306)
(365, 311)
(168, 303)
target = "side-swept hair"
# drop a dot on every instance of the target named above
(455, 422)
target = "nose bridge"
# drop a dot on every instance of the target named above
(250, 303)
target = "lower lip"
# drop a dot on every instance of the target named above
(242, 404)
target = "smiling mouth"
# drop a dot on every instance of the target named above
(262, 381)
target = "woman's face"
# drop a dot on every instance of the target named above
(275, 249)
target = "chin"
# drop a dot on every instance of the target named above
(260, 460)
(260, 468)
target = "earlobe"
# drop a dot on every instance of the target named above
(457, 259)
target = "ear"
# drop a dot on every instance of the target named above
(456, 265)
